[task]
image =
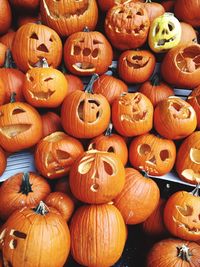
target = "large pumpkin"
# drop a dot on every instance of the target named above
(27, 237)
(97, 177)
(69, 16)
(98, 235)
(33, 42)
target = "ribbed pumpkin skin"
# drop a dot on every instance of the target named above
(5, 16)
(164, 253)
(193, 100)
(98, 235)
(11, 199)
(138, 199)
(48, 231)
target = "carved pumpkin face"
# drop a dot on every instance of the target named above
(55, 154)
(164, 33)
(155, 155)
(188, 159)
(69, 16)
(136, 66)
(45, 87)
(132, 114)
(100, 174)
(174, 118)
(127, 25)
(182, 215)
(38, 41)
(86, 53)
(20, 126)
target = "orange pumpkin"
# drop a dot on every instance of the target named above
(2, 92)
(153, 9)
(74, 83)
(51, 123)
(25, 4)
(193, 100)
(3, 160)
(3, 49)
(7, 39)
(188, 34)
(5, 16)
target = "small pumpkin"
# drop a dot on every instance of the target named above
(74, 83)
(3, 160)
(24, 4)
(51, 123)
(20, 190)
(188, 34)
(97, 177)
(174, 118)
(55, 154)
(7, 39)
(193, 100)
(156, 90)
(138, 198)
(136, 66)
(181, 215)
(153, 9)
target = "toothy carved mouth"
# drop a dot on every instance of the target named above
(135, 117)
(149, 170)
(134, 31)
(76, 13)
(162, 42)
(42, 95)
(14, 130)
(84, 67)
(193, 230)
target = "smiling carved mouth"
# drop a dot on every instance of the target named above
(84, 66)
(193, 230)
(14, 130)
(42, 95)
(164, 41)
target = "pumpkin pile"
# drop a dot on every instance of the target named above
(88, 87)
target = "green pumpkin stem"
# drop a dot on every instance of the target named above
(42, 208)
(195, 192)
(89, 87)
(12, 97)
(109, 129)
(25, 187)
(184, 253)
(8, 64)
(155, 80)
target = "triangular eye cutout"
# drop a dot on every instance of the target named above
(185, 211)
(17, 111)
(34, 36)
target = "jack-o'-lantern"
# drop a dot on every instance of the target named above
(182, 215)
(55, 154)
(136, 66)
(69, 16)
(127, 25)
(194, 100)
(44, 86)
(164, 33)
(87, 52)
(174, 118)
(181, 66)
(84, 114)
(97, 177)
(37, 42)
(27, 231)
(188, 159)
(132, 114)
(152, 154)
(20, 126)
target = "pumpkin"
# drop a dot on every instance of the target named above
(3, 49)
(25, 4)
(37, 41)
(51, 123)
(152, 154)
(153, 9)
(156, 90)
(2, 92)
(127, 25)
(20, 126)
(180, 66)
(136, 66)
(110, 142)
(97, 177)
(181, 215)
(62, 202)
(93, 223)
(173, 252)
(7, 39)
(154, 224)
(168, 5)
(28, 231)
(87, 52)
(188, 11)
(74, 83)
(55, 154)
(5, 16)
(62, 185)
(132, 114)
(187, 162)
(68, 16)
(20, 190)
(110, 87)
(84, 114)
(188, 34)
(105, 5)
(45, 87)
(27, 18)
(164, 33)
(193, 100)
(3, 160)
(174, 118)
(138, 198)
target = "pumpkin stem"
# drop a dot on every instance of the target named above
(86, 29)
(25, 187)
(195, 192)
(42, 63)
(9, 60)
(184, 253)
(148, 1)
(42, 208)
(12, 97)
(109, 129)
(155, 80)
(88, 88)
